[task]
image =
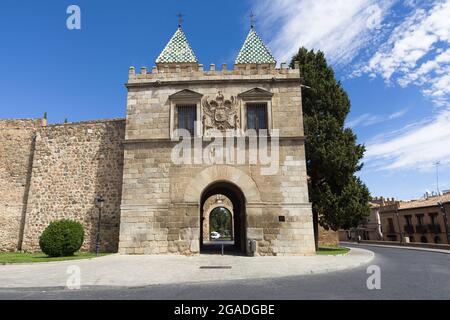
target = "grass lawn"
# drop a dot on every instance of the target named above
(332, 251)
(19, 257)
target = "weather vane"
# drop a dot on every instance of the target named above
(180, 19)
(252, 20)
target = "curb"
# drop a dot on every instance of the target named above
(54, 262)
(395, 247)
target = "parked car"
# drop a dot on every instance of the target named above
(215, 235)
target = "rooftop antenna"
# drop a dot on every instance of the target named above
(437, 164)
(180, 19)
(252, 20)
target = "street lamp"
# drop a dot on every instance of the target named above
(99, 202)
(444, 215)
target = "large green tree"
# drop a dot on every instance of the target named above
(220, 221)
(340, 199)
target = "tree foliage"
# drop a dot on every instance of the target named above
(220, 221)
(340, 199)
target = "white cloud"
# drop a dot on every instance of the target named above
(416, 53)
(416, 146)
(397, 115)
(423, 36)
(368, 119)
(340, 28)
(423, 74)
(405, 42)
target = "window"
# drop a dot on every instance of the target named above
(409, 228)
(391, 225)
(433, 217)
(184, 112)
(187, 114)
(420, 219)
(408, 220)
(257, 116)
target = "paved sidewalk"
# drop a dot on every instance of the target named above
(134, 271)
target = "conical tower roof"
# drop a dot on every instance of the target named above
(177, 50)
(254, 51)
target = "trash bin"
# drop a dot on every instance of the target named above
(251, 248)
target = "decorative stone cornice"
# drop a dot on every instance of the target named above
(205, 139)
(163, 83)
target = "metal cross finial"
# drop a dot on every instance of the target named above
(252, 20)
(180, 19)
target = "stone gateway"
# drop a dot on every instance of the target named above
(154, 204)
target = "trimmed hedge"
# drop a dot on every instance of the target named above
(62, 238)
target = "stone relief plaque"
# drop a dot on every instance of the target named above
(220, 113)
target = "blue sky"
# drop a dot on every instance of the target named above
(393, 58)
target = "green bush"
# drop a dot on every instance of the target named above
(62, 238)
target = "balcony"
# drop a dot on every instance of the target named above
(434, 228)
(409, 229)
(420, 228)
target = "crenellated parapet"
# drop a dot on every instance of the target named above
(186, 72)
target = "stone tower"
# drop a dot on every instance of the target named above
(163, 199)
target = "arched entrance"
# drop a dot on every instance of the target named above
(221, 223)
(238, 236)
(218, 203)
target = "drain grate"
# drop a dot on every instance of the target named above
(215, 267)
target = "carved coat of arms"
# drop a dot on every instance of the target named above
(221, 114)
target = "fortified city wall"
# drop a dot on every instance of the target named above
(16, 145)
(58, 176)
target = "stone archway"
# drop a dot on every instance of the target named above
(210, 204)
(237, 185)
(237, 198)
(235, 176)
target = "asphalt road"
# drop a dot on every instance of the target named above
(405, 274)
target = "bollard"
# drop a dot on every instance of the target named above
(251, 248)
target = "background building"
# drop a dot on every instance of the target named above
(417, 221)
(369, 228)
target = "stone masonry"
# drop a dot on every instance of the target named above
(55, 172)
(161, 201)
(16, 149)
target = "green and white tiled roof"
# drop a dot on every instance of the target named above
(177, 50)
(254, 51)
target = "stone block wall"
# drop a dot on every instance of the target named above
(161, 201)
(148, 110)
(16, 149)
(328, 237)
(73, 164)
